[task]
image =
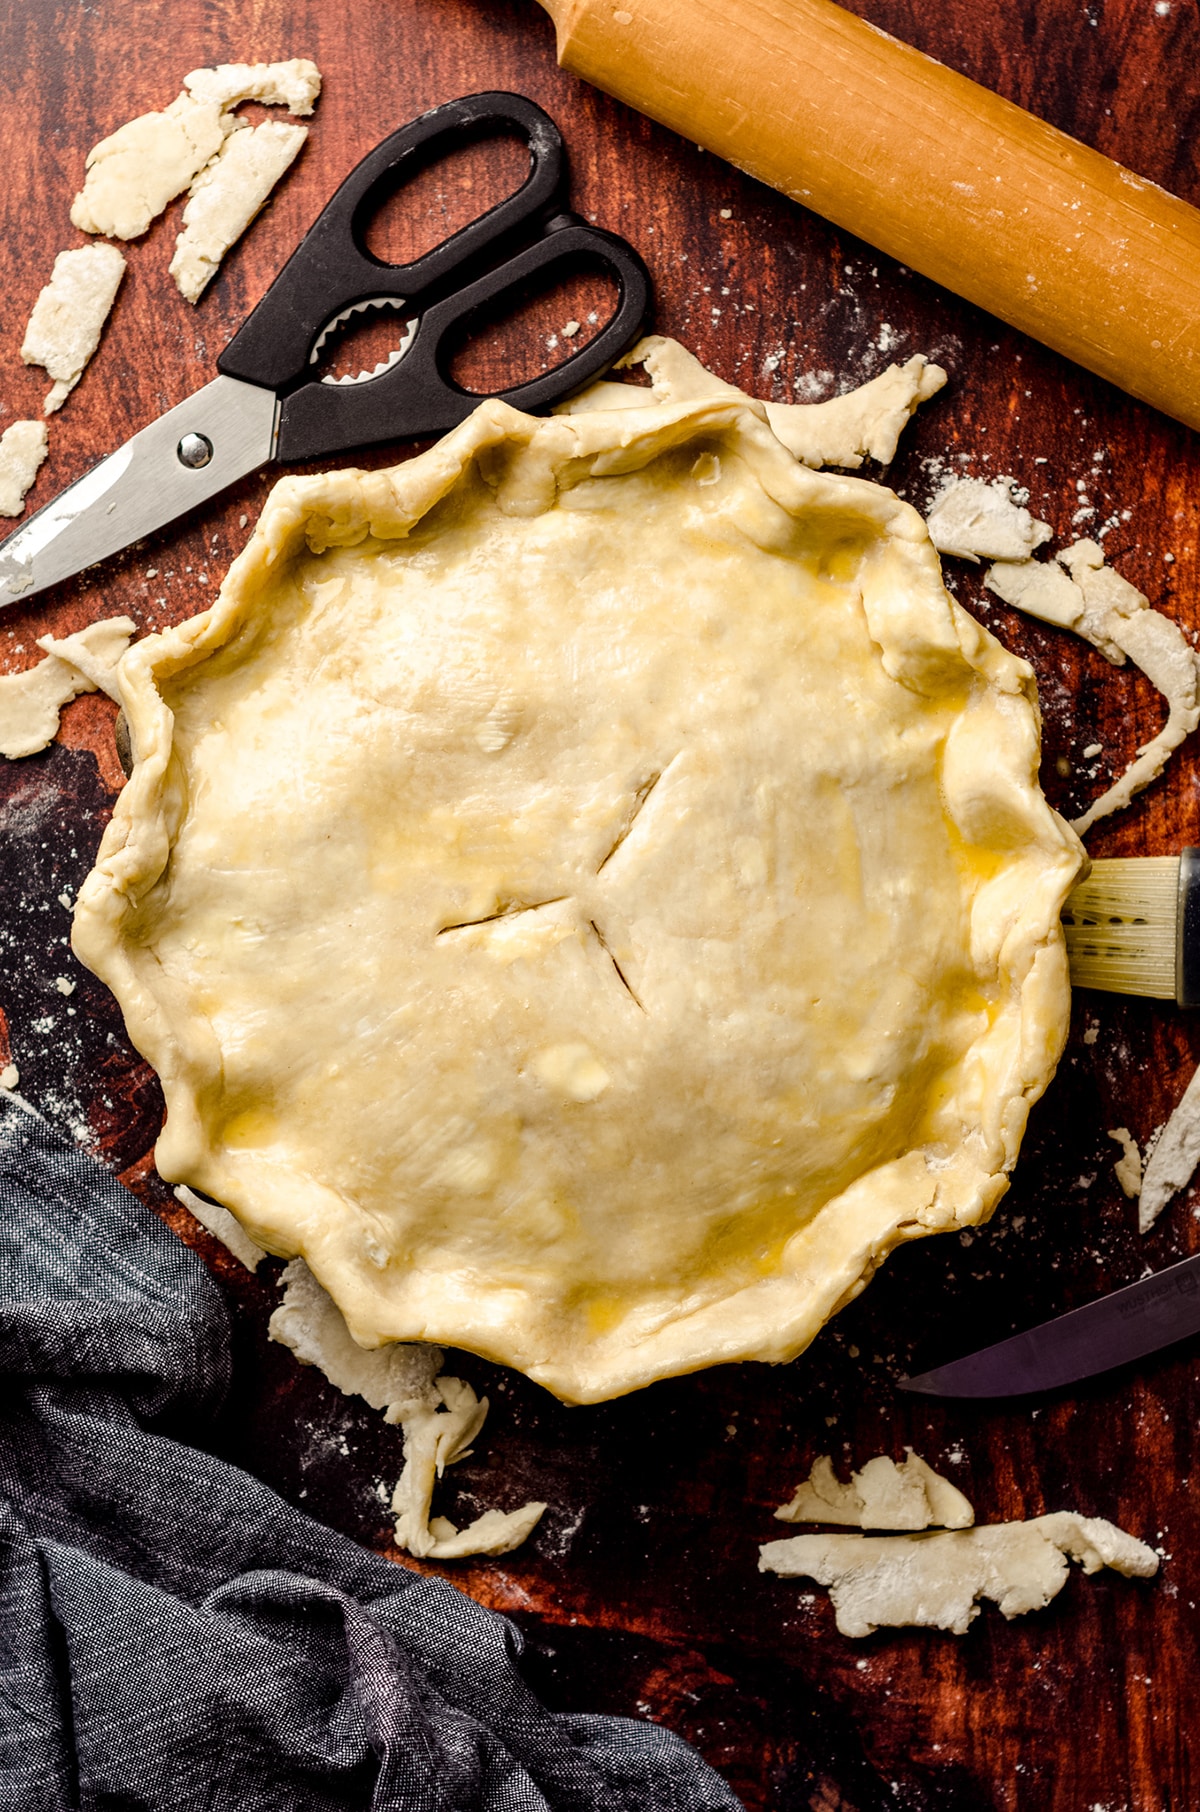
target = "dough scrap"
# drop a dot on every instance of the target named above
(494, 1532)
(439, 1416)
(1172, 1161)
(69, 315)
(311, 1324)
(138, 170)
(295, 84)
(226, 196)
(880, 1496)
(1128, 1166)
(863, 424)
(936, 1581)
(96, 652)
(434, 1438)
(23, 447)
(544, 724)
(1094, 601)
(30, 702)
(978, 521)
(221, 1224)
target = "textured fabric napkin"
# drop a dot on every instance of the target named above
(173, 1635)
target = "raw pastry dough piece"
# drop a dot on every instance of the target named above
(294, 84)
(226, 196)
(881, 1496)
(493, 1532)
(23, 447)
(390, 1378)
(95, 652)
(1098, 604)
(978, 521)
(936, 1581)
(133, 174)
(1173, 1158)
(435, 1436)
(863, 424)
(30, 702)
(69, 315)
(140, 168)
(221, 1224)
(464, 899)
(440, 1417)
(1128, 1166)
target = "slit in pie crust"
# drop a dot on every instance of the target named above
(587, 890)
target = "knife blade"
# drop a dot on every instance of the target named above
(1127, 1324)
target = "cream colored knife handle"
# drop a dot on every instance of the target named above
(925, 165)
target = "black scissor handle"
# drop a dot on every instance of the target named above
(417, 398)
(332, 269)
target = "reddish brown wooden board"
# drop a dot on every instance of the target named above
(639, 1592)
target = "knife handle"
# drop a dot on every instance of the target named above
(933, 169)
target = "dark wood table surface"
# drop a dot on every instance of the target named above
(639, 1593)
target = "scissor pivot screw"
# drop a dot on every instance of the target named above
(194, 450)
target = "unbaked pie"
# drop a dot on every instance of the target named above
(587, 890)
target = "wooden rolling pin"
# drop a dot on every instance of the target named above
(924, 164)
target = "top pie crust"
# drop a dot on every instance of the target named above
(587, 890)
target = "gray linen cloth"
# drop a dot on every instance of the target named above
(174, 1636)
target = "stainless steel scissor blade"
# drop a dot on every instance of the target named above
(207, 442)
(271, 403)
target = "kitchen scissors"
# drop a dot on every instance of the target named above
(269, 404)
